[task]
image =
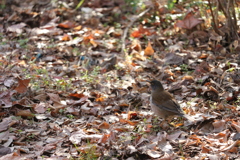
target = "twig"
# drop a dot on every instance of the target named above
(127, 28)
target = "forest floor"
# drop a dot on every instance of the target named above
(74, 82)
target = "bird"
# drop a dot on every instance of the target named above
(163, 103)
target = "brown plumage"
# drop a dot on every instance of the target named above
(162, 102)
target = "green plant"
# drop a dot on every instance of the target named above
(52, 44)
(155, 127)
(200, 81)
(31, 136)
(89, 153)
(109, 77)
(61, 111)
(70, 116)
(139, 129)
(23, 42)
(228, 64)
(76, 52)
(36, 85)
(2, 6)
(79, 4)
(170, 4)
(118, 67)
(96, 71)
(184, 67)
(124, 138)
(91, 76)
(133, 3)
(41, 71)
(117, 25)
(61, 84)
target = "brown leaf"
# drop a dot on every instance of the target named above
(100, 99)
(22, 85)
(66, 37)
(188, 22)
(199, 36)
(212, 93)
(131, 115)
(41, 97)
(203, 67)
(104, 138)
(109, 64)
(141, 32)
(11, 156)
(129, 122)
(54, 97)
(203, 56)
(88, 38)
(78, 28)
(121, 129)
(163, 10)
(18, 28)
(5, 124)
(25, 114)
(66, 24)
(148, 128)
(40, 108)
(4, 150)
(9, 81)
(149, 50)
(104, 125)
(236, 125)
(136, 46)
(197, 140)
(205, 149)
(5, 99)
(76, 95)
(93, 42)
(187, 80)
(173, 58)
(219, 125)
(55, 112)
(234, 150)
(77, 137)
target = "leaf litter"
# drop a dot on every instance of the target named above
(68, 92)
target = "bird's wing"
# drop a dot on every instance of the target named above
(168, 103)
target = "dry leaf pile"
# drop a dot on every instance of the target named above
(67, 91)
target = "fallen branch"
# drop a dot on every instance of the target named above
(127, 28)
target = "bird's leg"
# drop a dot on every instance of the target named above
(178, 122)
(164, 124)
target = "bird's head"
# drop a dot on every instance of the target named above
(156, 85)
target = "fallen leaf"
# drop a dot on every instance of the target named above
(149, 50)
(78, 28)
(189, 21)
(66, 24)
(66, 37)
(104, 138)
(18, 28)
(22, 85)
(76, 95)
(4, 150)
(104, 125)
(40, 108)
(131, 115)
(5, 124)
(25, 114)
